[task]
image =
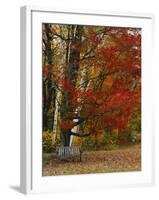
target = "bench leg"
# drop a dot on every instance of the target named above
(80, 157)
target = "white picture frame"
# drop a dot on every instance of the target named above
(31, 148)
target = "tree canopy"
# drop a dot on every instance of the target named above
(91, 79)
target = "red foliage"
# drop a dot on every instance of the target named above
(67, 125)
(113, 104)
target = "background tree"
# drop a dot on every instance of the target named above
(48, 88)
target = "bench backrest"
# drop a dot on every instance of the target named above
(68, 151)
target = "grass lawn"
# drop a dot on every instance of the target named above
(118, 160)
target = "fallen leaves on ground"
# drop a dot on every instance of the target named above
(119, 160)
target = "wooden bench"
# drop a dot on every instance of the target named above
(64, 153)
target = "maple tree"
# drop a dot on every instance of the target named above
(97, 73)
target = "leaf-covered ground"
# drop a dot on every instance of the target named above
(119, 160)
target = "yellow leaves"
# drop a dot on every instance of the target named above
(76, 141)
(47, 141)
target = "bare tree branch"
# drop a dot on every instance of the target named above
(80, 135)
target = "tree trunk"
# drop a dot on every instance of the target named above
(48, 87)
(57, 117)
(65, 137)
(72, 63)
(75, 53)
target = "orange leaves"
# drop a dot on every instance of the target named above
(123, 52)
(97, 133)
(109, 53)
(91, 36)
(47, 69)
(67, 85)
(67, 125)
(125, 38)
(54, 70)
(107, 86)
(119, 97)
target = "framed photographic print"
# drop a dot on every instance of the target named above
(86, 100)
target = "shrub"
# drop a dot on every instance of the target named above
(47, 142)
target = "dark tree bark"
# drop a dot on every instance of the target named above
(48, 87)
(75, 53)
(49, 50)
(72, 62)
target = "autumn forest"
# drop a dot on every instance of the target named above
(91, 98)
